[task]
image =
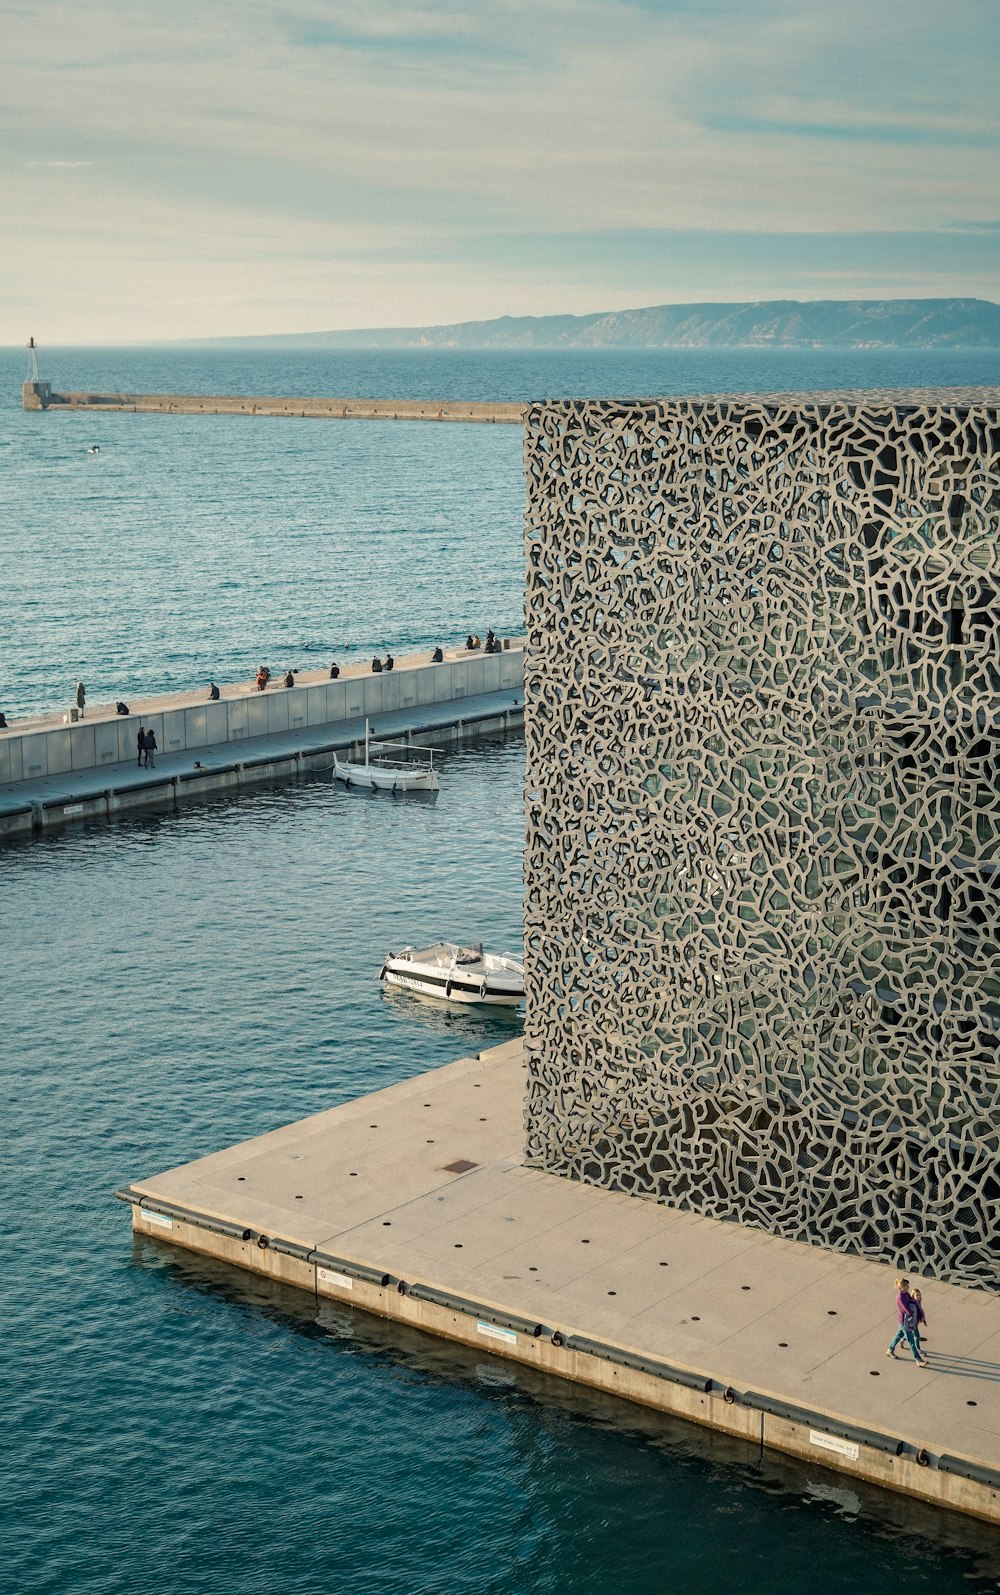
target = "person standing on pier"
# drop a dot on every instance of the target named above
(151, 749)
(140, 743)
(81, 697)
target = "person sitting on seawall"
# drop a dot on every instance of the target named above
(3, 721)
(437, 657)
(289, 679)
(121, 708)
(263, 677)
(213, 691)
(492, 645)
(334, 671)
(376, 665)
(390, 663)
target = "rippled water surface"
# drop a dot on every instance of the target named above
(191, 547)
(175, 983)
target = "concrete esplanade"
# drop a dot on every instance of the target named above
(42, 396)
(417, 1203)
(54, 768)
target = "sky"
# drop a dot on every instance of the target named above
(204, 168)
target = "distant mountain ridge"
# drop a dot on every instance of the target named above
(764, 324)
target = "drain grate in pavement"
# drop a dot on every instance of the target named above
(461, 1165)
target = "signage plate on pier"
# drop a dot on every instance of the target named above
(829, 1442)
(494, 1332)
(330, 1277)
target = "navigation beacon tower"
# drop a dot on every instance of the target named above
(35, 394)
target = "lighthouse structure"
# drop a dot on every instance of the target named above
(35, 394)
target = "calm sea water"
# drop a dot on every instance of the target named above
(189, 548)
(175, 983)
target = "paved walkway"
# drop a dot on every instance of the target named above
(53, 719)
(381, 1181)
(310, 742)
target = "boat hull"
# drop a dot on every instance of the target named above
(385, 780)
(471, 988)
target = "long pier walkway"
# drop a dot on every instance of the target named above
(53, 773)
(42, 396)
(414, 1203)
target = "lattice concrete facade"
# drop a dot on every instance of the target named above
(763, 721)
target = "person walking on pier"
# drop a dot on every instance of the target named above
(906, 1310)
(81, 697)
(921, 1319)
(140, 743)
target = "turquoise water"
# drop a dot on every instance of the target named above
(190, 548)
(174, 983)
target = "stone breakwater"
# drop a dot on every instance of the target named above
(55, 769)
(42, 396)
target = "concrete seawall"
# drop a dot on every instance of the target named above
(729, 1327)
(41, 396)
(52, 773)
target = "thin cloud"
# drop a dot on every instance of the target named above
(324, 163)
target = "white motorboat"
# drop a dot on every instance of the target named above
(457, 974)
(389, 767)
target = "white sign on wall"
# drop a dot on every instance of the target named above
(343, 1280)
(493, 1332)
(829, 1442)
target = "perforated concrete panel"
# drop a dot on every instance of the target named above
(763, 723)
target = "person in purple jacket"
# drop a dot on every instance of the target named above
(906, 1310)
(921, 1319)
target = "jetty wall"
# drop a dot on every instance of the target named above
(92, 744)
(41, 396)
